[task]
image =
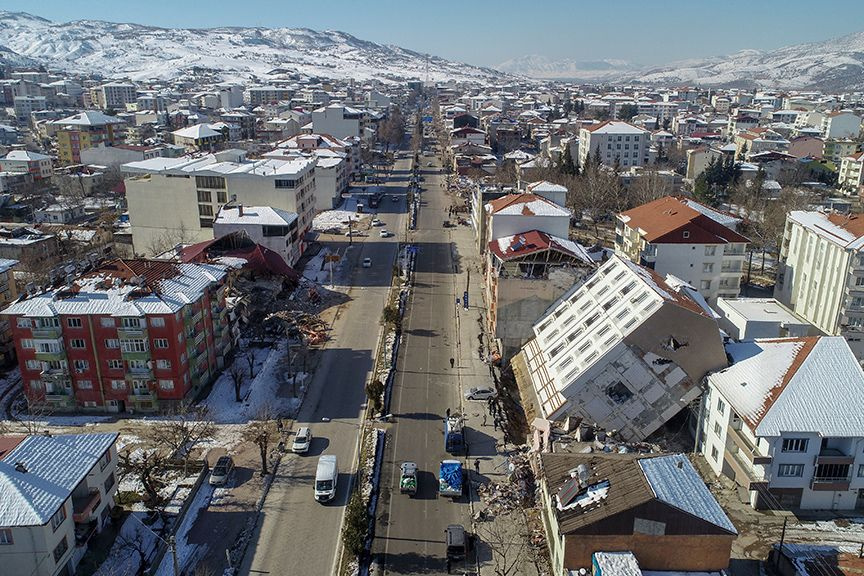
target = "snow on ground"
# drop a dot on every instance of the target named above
(123, 557)
(19, 412)
(315, 270)
(330, 219)
(187, 553)
(261, 393)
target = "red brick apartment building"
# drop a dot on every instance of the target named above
(132, 335)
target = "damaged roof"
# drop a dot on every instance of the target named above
(519, 245)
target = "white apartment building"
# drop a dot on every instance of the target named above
(517, 213)
(820, 275)
(113, 95)
(270, 227)
(39, 165)
(751, 318)
(58, 492)
(552, 192)
(174, 200)
(852, 172)
(625, 349)
(24, 106)
(686, 239)
(267, 95)
(786, 422)
(615, 142)
(843, 124)
(339, 121)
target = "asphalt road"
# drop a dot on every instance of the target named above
(296, 534)
(410, 531)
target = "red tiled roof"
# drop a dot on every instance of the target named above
(8, 443)
(850, 222)
(665, 220)
(529, 243)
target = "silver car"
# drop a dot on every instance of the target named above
(302, 441)
(482, 393)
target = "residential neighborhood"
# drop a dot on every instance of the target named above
(280, 300)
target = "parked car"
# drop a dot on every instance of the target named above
(302, 441)
(483, 393)
(367, 262)
(221, 471)
(408, 478)
(385, 234)
(394, 198)
(377, 222)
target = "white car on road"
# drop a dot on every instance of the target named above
(482, 393)
(367, 262)
(302, 441)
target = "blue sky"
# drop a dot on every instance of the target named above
(491, 31)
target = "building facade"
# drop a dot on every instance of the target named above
(85, 130)
(270, 227)
(686, 239)
(173, 200)
(132, 335)
(615, 143)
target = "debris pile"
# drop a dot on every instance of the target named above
(300, 325)
(519, 491)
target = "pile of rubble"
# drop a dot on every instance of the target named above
(518, 491)
(309, 328)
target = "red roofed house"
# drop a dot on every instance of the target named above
(691, 241)
(525, 273)
(786, 422)
(516, 213)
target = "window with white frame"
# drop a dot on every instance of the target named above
(714, 453)
(115, 364)
(710, 250)
(112, 343)
(27, 344)
(23, 323)
(73, 322)
(58, 517)
(85, 384)
(718, 430)
(163, 364)
(160, 343)
(82, 366)
(790, 470)
(34, 365)
(6, 537)
(721, 406)
(134, 345)
(157, 322)
(77, 343)
(131, 322)
(794, 445)
(107, 322)
(166, 384)
(118, 384)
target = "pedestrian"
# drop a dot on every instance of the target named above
(477, 466)
(448, 566)
(495, 424)
(484, 419)
(279, 424)
(448, 413)
(452, 362)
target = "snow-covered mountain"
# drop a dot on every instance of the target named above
(836, 64)
(537, 66)
(144, 52)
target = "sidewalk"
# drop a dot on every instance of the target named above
(505, 537)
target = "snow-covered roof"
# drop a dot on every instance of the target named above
(26, 155)
(89, 118)
(196, 132)
(209, 163)
(54, 466)
(260, 215)
(6, 264)
(526, 205)
(675, 482)
(617, 563)
(615, 127)
(792, 385)
(846, 231)
(165, 287)
(545, 186)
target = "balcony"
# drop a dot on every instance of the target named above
(746, 447)
(50, 355)
(194, 319)
(55, 375)
(833, 456)
(830, 483)
(131, 332)
(83, 507)
(47, 333)
(139, 374)
(731, 268)
(132, 354)
(733, 250)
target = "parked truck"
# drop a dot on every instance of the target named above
(454, 435)
(450, 479)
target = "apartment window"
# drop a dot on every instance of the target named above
(133, 323)
(109, 483)
(112, 343)
(205, 210)
(721, 406)
(794, 445)
(790, 470)
(183, 358)
(107, 322)
(36, 384)
(34, 365)
(205, 196)
(861, 471)
(160, 343)
(707, 268)
(163, 364)
(106, 458)
(27, 344)
(24, 323)
(134, 345)
(209, 181)
(73, 322)
(82, 366)
(715, 455)
(285, 183)
(705, 284)
(77, 343)
(58, 517)
(166, 384)
(718, 430)
(157, 322)
(6, 536)
(115, 364)
(221, 196)
(61, 549)
(118, 384)
(686, 234)
(85, 384)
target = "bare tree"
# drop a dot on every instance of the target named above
(236, 373)
(250, 359)
(646, 187)
(509, 551)
(186, 427)
(135, 546)
(169, 239)
(32, 417)
(596, 193)
(146, 466)
(261, 432)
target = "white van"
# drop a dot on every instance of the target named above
(326, 477)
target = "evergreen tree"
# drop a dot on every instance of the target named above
(566, 164)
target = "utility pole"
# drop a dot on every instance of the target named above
(172, 543)
(782, 537)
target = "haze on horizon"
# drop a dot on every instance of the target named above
(643, 33)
